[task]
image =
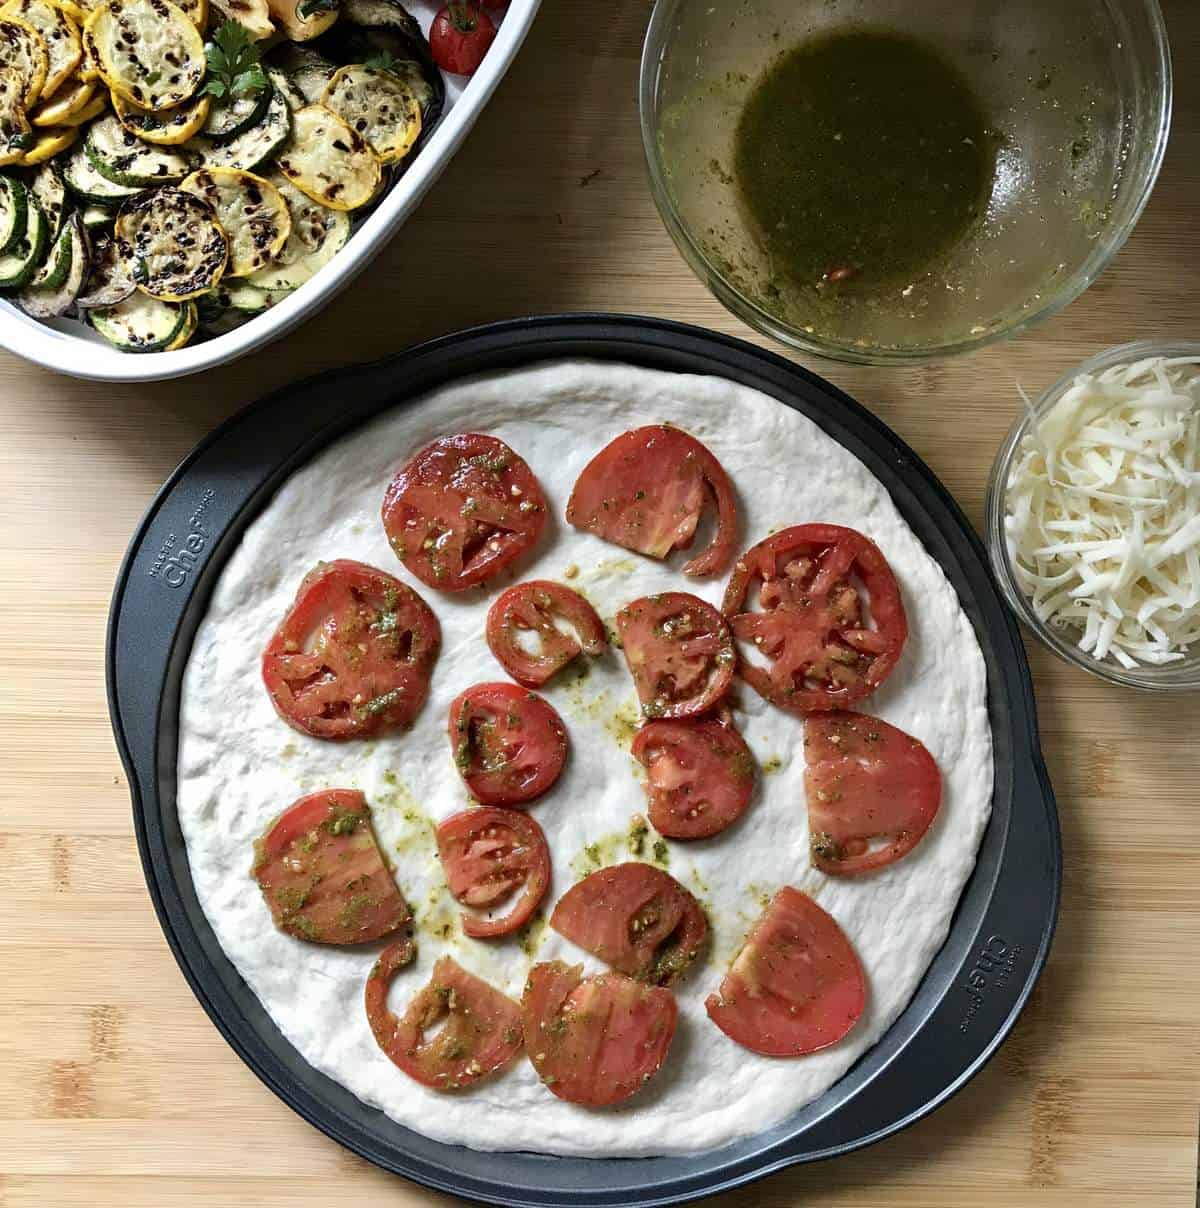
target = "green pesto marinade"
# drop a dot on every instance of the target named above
(862, 156)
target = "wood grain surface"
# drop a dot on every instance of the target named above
(115, 1090)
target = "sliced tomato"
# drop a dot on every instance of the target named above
(680, 653)
(872, 792)
(353, 655)
(509, 745)
(795, 987)
(700, 776)
(817, 584)
(645, 492)
(530, 608)
(488, 855)
(595, 1040)
(482, 1032)
(636, 918)
(462, 509)
(323, 875)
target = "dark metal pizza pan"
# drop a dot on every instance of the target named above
(973, 991)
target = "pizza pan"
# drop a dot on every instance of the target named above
(1001, 931)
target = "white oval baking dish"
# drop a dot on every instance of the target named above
(67, 346)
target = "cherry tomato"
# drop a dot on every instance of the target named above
(826, 645)
(645, 492)
(872, 791)
(488, 855)
(680, 653)
(531, 608)
(509, 745)
(460, 36)
(322, 873)
(354, 654)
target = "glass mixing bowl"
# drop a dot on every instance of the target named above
(1078, 95)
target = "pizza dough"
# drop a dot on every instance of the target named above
(239, 765)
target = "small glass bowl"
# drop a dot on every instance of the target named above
(1181, 676)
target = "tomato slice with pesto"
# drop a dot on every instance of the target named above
(462, 509)
(595, 1040)
(480, 1035)
(636, 918)
(679, 651)
(509, 744)
(873, 791)
(795, 987)
(646, 491)
(699, 773)
(830, 625)
(322, 873)
(353, 656)
(527, 614)
(490, 856)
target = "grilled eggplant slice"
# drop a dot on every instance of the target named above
(167, 127)
(174, 243)
(141, 323)
(384, 14)
(330, 161)
(308, 70)
(56, 295)
(283, 85)
(59, 35)
(378, 105)
(252, 148)
(109, 281)
(126, 160)
(318, 234)
(149, 51)
(251, 211)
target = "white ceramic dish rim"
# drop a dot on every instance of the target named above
(76, 356)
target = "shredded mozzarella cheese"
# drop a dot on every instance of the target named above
(1102, 511)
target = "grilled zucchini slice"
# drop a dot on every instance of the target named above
(47, 144)
(282, 84)
(66, 102)
(125, 159)
(55, 263)
(318, 234)
(87, 185)
(141, 323)
(95, 216)
(308, 70)
(230, 116)
(59, 34)
(174, 243)
(14, 204)
(21, 261)
(149, 51)
(288, 17)
(378, 105)
(251, 211)
(187, 328)
(252, 148)
(47, 189)
(109, 281)
(56, 295)
(330, 161)
(252, 15)
(22, 48)
(16, 134)
(166, 127)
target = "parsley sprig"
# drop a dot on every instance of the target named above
(233, 66)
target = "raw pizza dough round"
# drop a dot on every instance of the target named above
(239, 765)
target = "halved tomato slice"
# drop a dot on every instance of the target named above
(700, 775)
(488, 855)
(322, 873)
(795, 987)
(680, 653)
(872, 792)
(509, 745)
(462, 509)
(530, 608)
(645, 492)
(482, 1032)
(831, 625)
(636, 918)
(595, 1040)
(353, 655)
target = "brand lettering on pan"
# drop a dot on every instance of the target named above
(179, 554)
(992, 968)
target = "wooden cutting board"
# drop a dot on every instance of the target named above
(117, 1092)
